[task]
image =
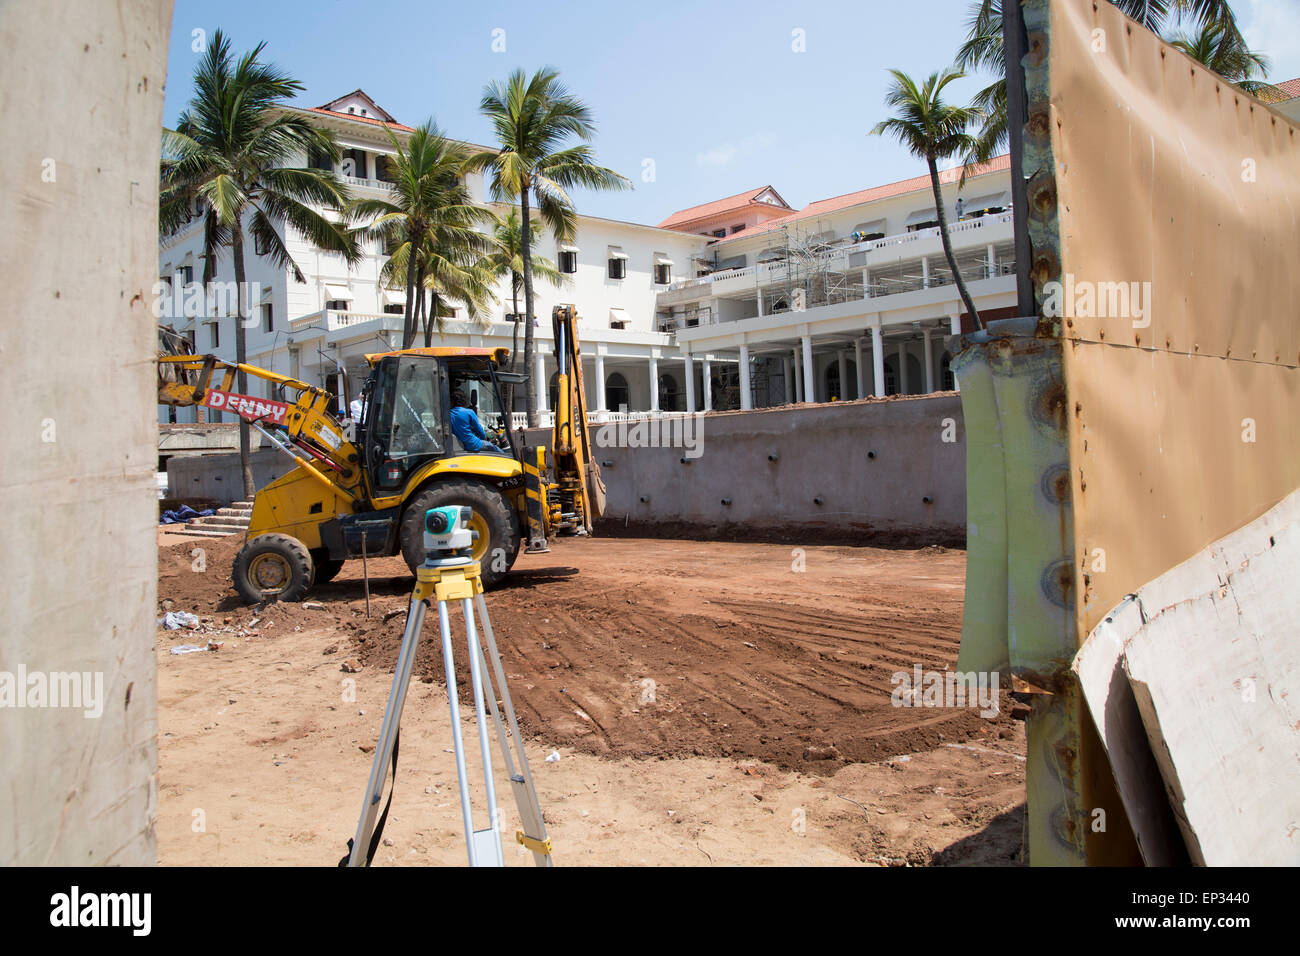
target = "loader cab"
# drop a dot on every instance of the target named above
(408, 416)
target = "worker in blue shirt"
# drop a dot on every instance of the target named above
(468, 429)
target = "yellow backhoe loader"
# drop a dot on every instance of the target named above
(365, 487)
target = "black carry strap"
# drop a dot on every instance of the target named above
(383, 817)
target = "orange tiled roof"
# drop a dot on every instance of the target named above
(709, 209)
(823, 206)
(1290, 87)
(360, 119)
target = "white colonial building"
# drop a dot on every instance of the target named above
(766, 304)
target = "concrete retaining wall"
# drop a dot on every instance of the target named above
(219, 476)
(861, 468)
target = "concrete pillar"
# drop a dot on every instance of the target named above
(798, 377)
(539, 376)
(844, 377)
(654, 384)
(600, 383)
(878, 361)
(760, 303)
(902, 368)
(690, 382)
(866, 284)
(993, 261)
(929, 363)
(925, 271)
(861, 373)
(788, 368)
(809, 373)
(746, 400)
(706, 382)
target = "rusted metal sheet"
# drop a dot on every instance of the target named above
(1152, 404)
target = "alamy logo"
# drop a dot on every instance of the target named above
(677, 431)
(75, 908)
(946, 689)
(74, 689)
(192, 300)
(1083, 299)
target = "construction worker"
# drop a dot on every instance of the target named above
(467, 428)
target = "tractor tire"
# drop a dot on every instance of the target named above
(273, 567)
(327, 568)
(498, 540)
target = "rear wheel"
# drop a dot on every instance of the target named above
(273, 567)
(497, 543)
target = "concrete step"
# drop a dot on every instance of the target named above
(220, 521)
(191, 531)
(235, 512)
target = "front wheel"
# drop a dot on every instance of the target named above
(273, 567)
(497, 542)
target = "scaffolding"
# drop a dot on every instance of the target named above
(808, 270)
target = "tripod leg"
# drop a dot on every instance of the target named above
(521, 781)
(388, 734)
(457, 739)
(489, 840)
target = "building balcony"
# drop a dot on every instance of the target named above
(843, 256)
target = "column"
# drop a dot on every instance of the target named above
(541, 383)
(707, 384)
(760, 303)
(788, 369)
(859, 370)
(925, 271)
(809, 374)
(746, 400)
(902, 368)
(954, 324)
(844, 376)
(798, 377)
(993, 261)
(600, 384)
(654, 384)
(878, 361)
(929, 362)
(690, 382)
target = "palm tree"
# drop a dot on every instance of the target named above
(508, 260)
(983, 50)
(430, 212)
(533, 118)
(934, 130)
(231, 151)
(1219, 49)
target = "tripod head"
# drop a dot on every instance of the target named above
(447, 537)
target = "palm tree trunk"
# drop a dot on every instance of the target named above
(241, 357)
(430, 319)
(532, 385)
(947, 244)
(408, 326)
(509, 391)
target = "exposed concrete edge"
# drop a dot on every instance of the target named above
(1195, 678)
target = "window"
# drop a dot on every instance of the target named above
(381, 169)
(663, 273)
(617, 267)
(268, 318)
(319, 159)
(215, 327)
(260, 246)
(667, 393)
(927, 224)
(354, 163)
(616, 392)
(187, 274)
(337, 305)
(568, 261)
(394, 308)
(736, 229)
(719, 233)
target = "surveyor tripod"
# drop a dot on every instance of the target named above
(449, 573)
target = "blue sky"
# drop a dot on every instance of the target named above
(714, 93)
